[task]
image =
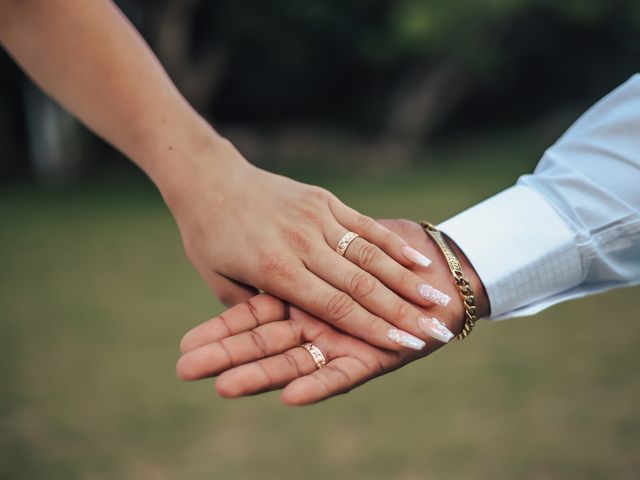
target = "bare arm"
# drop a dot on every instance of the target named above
(241, 226)
(86, 55)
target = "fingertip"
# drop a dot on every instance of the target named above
(226, 388)
(398, 249)
(183, 370)
(292, 398)
(414, 256)
(186, 343)
(305, 390)
(404, 339)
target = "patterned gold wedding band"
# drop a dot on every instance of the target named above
(345, 241)
(316, 354)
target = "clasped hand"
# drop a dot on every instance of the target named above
(255, 346)
(258, 230)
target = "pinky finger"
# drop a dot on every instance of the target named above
(392, 244)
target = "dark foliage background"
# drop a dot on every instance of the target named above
(397, 76)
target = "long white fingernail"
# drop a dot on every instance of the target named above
(415, 256)
(434, 295)
(435, 328)
(405, 339)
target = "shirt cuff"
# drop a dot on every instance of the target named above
(520, 247)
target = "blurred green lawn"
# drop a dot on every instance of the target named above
(95, 294)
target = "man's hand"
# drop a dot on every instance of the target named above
(255, 346)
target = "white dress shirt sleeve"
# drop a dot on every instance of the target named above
(570, 229)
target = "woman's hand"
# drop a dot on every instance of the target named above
(243, 226)
(255, 346)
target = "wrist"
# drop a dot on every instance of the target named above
(197, 162)
(482, 299)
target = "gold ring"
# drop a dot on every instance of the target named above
(316, 354)
(345, 241)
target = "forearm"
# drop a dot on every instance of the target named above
(88, 57)
(239, 225)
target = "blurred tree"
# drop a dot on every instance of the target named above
(58, 143)
(401, 68)
(451, 47)
(12, 125)
(195, 65)
(400, 71)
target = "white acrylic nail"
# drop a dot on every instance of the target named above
(405, 339)
(435, 328)
(415, 256)
(434, 295)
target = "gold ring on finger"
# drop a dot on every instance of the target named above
(345, 241)
(316, 354)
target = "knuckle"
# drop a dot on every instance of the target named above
(319, 193)
(265, 372)
(387, 223)
(323, 382)
(297, 239)
(310, 215)
(387, 237)
(293, 363)
(295, 331)
(406, 278)
(221, 347)
(273, 265)
(371, 323)
(344, 378)
(339, 306)
(365, 223)
(259, 342)
(253, 310)
(368, 254)
(222, 319)
(372, 364)
(402, 309)
(362, 284)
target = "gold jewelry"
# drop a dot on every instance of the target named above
(345, 241)
(463, 285)
(316, 354)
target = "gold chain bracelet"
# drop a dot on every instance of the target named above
(463, 285)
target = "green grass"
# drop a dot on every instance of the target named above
(95, 294)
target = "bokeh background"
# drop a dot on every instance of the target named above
(405, 108)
